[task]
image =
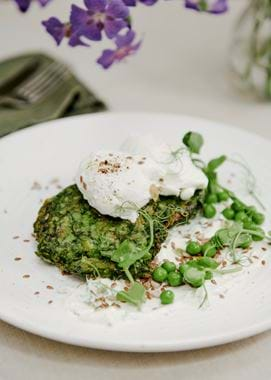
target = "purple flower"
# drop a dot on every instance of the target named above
(56, 29)
(125, 47)
(132, 3)
(108, 15)
(213, 6)
(24, 4)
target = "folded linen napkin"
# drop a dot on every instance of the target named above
(70, 97)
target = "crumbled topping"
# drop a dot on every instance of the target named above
(108, 167)
(154, 192)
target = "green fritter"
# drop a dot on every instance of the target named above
(79, 240)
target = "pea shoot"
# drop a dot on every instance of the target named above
(209, 249)
(194, 277)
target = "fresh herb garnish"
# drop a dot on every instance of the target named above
(135, 295)
(193, 141)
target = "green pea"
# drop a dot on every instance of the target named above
(189, 264)
(167, 297)
(193, 248)
(260, 234)
(222, 196)
(211, 198)
(251, 210)
(175, 279)
(208, 275)
(258, 218)
(228, 213)
(209, 211)
(159, 274)
(194, 277)
(209, 249)
(169, 266)
(237, 206)
(240, 216)
(249, 225)
(208, 262)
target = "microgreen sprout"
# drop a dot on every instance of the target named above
(251, 182)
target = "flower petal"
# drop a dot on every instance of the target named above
(117, 9)
(95, 5)
(23, 4)
(78, 16)
(55, 28)
(107, 58)
(130, 3)
(148, 2)
(75, 40)
(44, 2)
(125, 40)
(210, 6)
(113, 27)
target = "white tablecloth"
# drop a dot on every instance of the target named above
(181, 68)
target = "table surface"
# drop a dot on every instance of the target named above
(181, 68)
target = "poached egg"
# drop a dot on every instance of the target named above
(119, 183)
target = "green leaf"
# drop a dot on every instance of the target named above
(194, 277)
(127, 254)
(215, 163)
(193, 141)
(135, 295)
(227, 235)
(207, 262)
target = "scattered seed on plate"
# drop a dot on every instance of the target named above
(36, 293)
(17, 258)
(49, 287)
(173, 245)
(16, 237)
(49, 302)
(36, 186)
(26, 240)
(263, 262)
(26, 275)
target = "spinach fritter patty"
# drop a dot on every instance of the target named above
(78, 239)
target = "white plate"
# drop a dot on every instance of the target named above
(54, 149)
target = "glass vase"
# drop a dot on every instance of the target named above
(251, 49)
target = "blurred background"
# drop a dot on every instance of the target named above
(182, 66)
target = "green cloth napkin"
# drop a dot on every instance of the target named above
(69, 98)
